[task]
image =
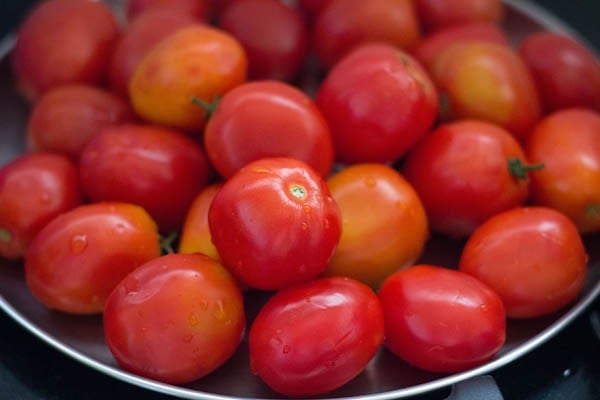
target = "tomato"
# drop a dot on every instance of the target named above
(273, 34)
(384, 225)
(175, 319)
(267, 119)
(197, 9)
(34, 188)
(198, 62)
(313, 7)
(466, 171)
(66, 117)
(63, 41)
(157, 168)
(274, 223)
(441, 320)
(75, 261)
(439, 14)
(566, 72)
(533, 257)
(344, 24)
(487, 81)
(378, 102)
(312, 338)
(567, 142)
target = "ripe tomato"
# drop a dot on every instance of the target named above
(312, 338)
(274, 223)
(157, 168)
(378, 102)
(533, 257)
(267, 119)
(439, 14)
(197, 9)
(75, 261)
(34, 188)
(566, 73)
(488, 81)
(198, 62)
(567, 142)
(384, 225)
(175, 319)
(465, 172)
(441, 320)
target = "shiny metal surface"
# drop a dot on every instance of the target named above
(386, 377)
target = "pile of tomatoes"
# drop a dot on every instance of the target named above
(185, 153)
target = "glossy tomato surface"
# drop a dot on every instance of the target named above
(439, 14)
(197, 9)
(312, 338)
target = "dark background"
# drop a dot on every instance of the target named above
(567, 367)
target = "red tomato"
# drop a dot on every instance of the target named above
(273, 34)
(377, 205)
(274, 223)
(533, 257)
(567, 142)
(34, 188)
(175, 319)
(313, 7)
(378, 102)
(344, 24)
(438, 14)
(566, 73)
(267, 119)
(75, 261)
(312, 338)
(157, 168)
(441, 320)
(63, 41)
(465, 172)
(197, 9)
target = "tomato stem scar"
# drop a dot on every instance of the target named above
(210, 108)
(298, 191)
(5, 235)
(519, 170)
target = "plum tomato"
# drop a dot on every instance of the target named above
(384, 224)
(195, 64)
(75, 260)
(274, 223)
(273, 34)
(197, 9)
(175, 318)
(344, 24)
(488, 81)
(66, 117)
(157, 168)
(532, 257)
(312, 338)
(63, 41)
(34, 188)
(441, 320)
(439, 14)
(378, 102)
(267, 119)
(466, 171)
(567, 142)
(566, 72)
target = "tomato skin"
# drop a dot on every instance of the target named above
(441, 320)
(197, 9)
(398, 104)
(34, 188)
(274, 223)
(157, 168)
(462, 175)
(79, 257)
(312, 338)
(384, 224)
(175, 319)
(267, 119)
(439, 14)
(533, 257)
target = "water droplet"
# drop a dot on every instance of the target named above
(307, 208)
(204, 304)
(193, 319)
(304, 226)
(219, 311)
(78, 243)
(369, 182)
(188, 338)
(286, 349)
(45, 198)
(329, 364)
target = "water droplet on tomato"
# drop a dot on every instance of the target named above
(307, 208)
(193, 319)
(286, 349)
(369, 182)
(78, 243)
(45, 198)
(219, 311)
(188, 338)
(304, 226)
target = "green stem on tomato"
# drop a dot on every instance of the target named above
(520, 170)
(167, 243)
(5, 235)
(209, 108)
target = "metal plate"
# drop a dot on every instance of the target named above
(386, 377)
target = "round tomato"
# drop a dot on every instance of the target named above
(312, 338)
(267, 119)
(378, 102)
(197, 9)
(75, 261)
(34, 188)
(439, 14)
(175, 319)
(441, 320)
(384, 225)
(533, 257)
(274, 223)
